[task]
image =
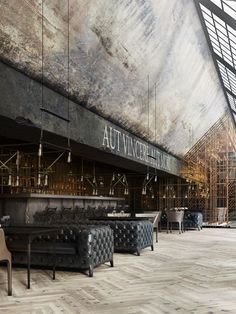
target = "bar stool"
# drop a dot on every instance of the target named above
(5, 255)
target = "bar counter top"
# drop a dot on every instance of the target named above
(55, 196)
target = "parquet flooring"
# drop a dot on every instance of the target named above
(194, 272)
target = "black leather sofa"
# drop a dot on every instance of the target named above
(130, 234)
(77, 247)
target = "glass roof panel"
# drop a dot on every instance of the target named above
(221, 29)
(231, 30)
(232, 101)
(230, 8)
(217, 2)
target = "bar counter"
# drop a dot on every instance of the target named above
(22, 207)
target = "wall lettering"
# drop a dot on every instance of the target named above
(127, 145)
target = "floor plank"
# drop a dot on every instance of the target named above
(194, 272)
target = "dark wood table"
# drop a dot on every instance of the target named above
(28, 233)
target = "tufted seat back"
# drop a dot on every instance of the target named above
(130, 235)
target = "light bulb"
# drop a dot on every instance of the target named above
(147, 176)
(40, 152)
(9, 179)
(94, 180)
(69, 157)
(155, 179)
(46, 180)
(17, 158)
(153, 196)
(39, 179)
(17, 181)
(113, 177)
(82, 179)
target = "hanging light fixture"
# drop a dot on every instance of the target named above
(9, 179)
(69, 157)
(144, 191)
(17, 158)
(40, 151)
(39, 179)
(94, 175)
(46, 180)
(68, 83)
(82, 171)
(17, 180)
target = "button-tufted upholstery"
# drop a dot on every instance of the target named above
(193, 220)
(130, 235)
(80, 247)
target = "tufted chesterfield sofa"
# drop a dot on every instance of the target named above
(77, 247)
(193, 220)
(130, 234)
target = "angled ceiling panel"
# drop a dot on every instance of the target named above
(219, 21)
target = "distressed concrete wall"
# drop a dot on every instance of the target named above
(21, 97)
(114, 46)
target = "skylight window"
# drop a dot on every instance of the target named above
(219, 20)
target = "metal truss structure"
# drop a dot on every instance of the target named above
(208, 176)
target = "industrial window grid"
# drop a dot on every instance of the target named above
(219, 21)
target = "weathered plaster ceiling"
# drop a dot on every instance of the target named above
(114, 46)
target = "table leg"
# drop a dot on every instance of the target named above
(54, 259)
(28, 262)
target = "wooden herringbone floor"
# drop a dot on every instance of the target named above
(194, 272)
